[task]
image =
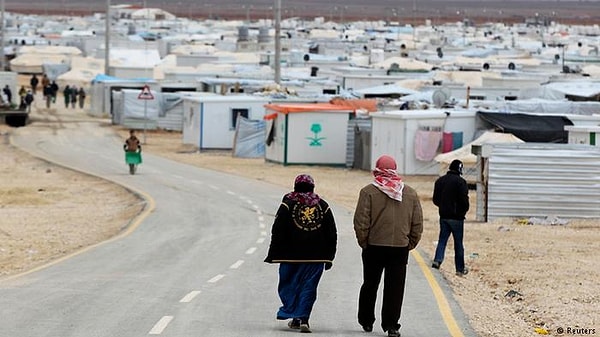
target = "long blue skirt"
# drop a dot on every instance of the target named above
(298, 288)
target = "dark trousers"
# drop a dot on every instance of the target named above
(377, 260)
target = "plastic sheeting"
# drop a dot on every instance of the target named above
(530, 128)
(249, 138)
(133, 107)
(551, 107)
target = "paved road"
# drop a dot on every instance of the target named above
(193, 266)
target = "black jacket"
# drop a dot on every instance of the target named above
(451, 196)
(303, 233)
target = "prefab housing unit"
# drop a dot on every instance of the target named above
(103, 87)
(209, 121)
(394, 133)
(134, 113)
(308, 134)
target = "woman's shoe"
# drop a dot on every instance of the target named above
(294, 323)
(304, 327)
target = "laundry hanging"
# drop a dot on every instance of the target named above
(427, 142)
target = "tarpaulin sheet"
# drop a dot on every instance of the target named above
(530, 128)
(250, 138)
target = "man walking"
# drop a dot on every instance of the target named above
(34, 83)
(451, 196)
(388, 223)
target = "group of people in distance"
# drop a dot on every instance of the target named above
(50, 89)
(388, 223)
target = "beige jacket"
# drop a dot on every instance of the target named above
(382, 221)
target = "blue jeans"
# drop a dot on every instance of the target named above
(456, 228)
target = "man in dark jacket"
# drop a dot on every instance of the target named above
(303, 242)
(34, 82)
(451, 196)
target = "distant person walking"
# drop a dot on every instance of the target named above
(8, 94)
(73, 96)
(451, 196)
(22, 94)
(67, 95)
(33, 82)
(388, 223)
(81, 97)
(28, 100)
(54, 87)
(48, 95)
(45, 81)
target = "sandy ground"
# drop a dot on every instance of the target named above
(551, 269)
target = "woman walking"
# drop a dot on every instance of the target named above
(303, 242)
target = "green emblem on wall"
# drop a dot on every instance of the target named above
(316, 140)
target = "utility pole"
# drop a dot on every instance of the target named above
(106, 39)
(278, 41)
(2, 39)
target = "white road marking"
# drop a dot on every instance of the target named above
(237, 264)
(249, 201)
(261, 225)
(231, 192)
(259, 212)
(263, 233)
(189, 297)
(160, 326)
(213, 187)
(216, 278)
(261, 218)
(251, 250)
(260, 240)
(197, 182)
(255, 206)
(177, 176)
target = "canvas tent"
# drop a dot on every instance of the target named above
(464, 153)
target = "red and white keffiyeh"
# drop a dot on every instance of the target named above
(388, 182)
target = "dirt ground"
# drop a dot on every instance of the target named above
(523, 277)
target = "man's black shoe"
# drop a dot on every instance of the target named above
(393, 333)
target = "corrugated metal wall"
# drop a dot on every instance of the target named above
(358, 151)
(526, 180)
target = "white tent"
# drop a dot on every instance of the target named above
(464, 153)
(152, 14)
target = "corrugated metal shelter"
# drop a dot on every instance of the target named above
(312, 134)
(542, 179)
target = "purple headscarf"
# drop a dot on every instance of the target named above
(303, 193)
